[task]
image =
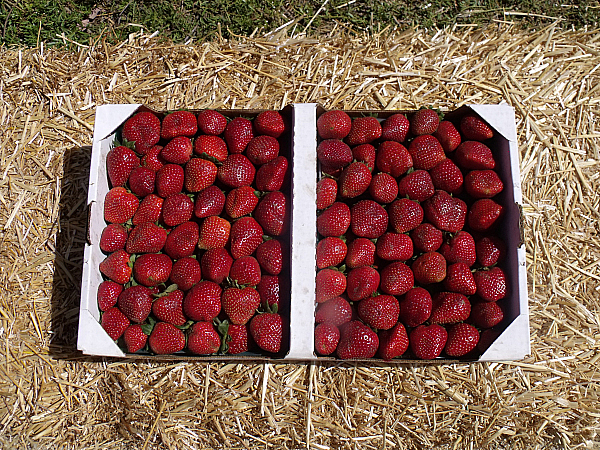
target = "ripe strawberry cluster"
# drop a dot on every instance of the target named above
(196, 237)
(408, 252)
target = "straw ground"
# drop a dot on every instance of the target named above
(52, 397)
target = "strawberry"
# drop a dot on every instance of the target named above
(135, 338)
(429, 268)
(266, 330)
(270, 256)
(240, 202)
(186, 273)
(396, 279)
(368, 219)
(460, 248)
(490, 250)
(179, 123)
(450, 307)
(380, 312)
(334, 124)
(119, 205)
(424, 121)
(428, 341)
(262, 149)
(417, 185)
(333, 154)
(393, 158)
(357, 341)
(166, 338)
(483, 183)
(448, 136)
(178, 150)
(445, 212)
(426, 152)
(149, 210)
(209, 202)
(152, 269)
(326, 192)
(484, 214)
(182, 240)
(334, 221)
(211, 147)
(335, 311)
(415, 307)
(114, 322)
(491, 284)
(331, 251)
(447, 176)
(361, 252)
(152, 159)
(169, 308)
(362, 282)
(211, 122)
(214, 233)
(366, 154)
(330, 283)
(203, 339)
(426, 238)
(246, 236)
(271, 213)
(147, 237)
(135, 302)
(327, 337)
(237, 339)
(238, 133)
(474, 128)
(271, 176)
(116, 267)
(177, 209)
(245, 271)
(216, 264)
(364, 130)
(269, 290)
(203, 301)
(394, 247)
(199, 174)
(395, 128)
(462, 339)
(393, 343)
(236, 171)
(459, 278)
(144, 129)
(404, 215)
(113, 238)
(169, 180)
(108, 292)
(269, 123)
(473, 155)
(354, 180)
(120, 162)
(383, 188)
(141, 181)
(240, 304)
(486, 314)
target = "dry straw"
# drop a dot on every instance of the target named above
(52, 397)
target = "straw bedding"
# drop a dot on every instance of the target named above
(53, 397)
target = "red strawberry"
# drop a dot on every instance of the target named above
(491, 284)
(393, 158)
(330, 283)
(216, 264)
(327, 337)
(394, 247)
(203, 301)
(474, 155)
(262, 149)
(209, 202)
(448, 136)
(113, 237)
(245, 271)
(266, 330)
(483, 183)
(271, 176)
(354, 180)
(141, 181)
(334, 124)
(210, 147)
(474, 128)
(269, 290)
(368, 219)
(211, 122)
(238, 339)
(331, 251)
(120, 162)
(238, 133)
(396, 279)
(270, 256)
(357, 341)
(486, 314)
(484, 214)
(152, 269)
(149, 210)
(429, 268)
(417, 185)
(459, 248)
(366, 154)
(445, 212)
(395, 128)
(335, 311)
(362, 282)
(269, 123)
(424, 121)
(246, 236)
(240, 202)
(271, 213)
(182, 240)
(334, 221)
(116, 267)
(380, 312)
(203, 339)
(166, 338)
(144, 129)
(236, 171)
(426, 152)
(462, 339)
(135, 338)
(490, 250)
(361, 252)
(169, 180)
(447, 176)
(186, 272)
(119, 205)
(450, 307)
(214, 233)
(333, 154)
(199, 174)
(147, 237)
(152, 159)
(108, 292)
(404, 215)
(179, 123)
(426, 238)
(326, 192)
(415, 307)
(169, 308)
(177, 209)
(459, 278)
(364, 130)
(383, 188)
(178, 150)
(136, 303)
(428, 341)
(393, 343)
(114, 323)
(240, 304)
